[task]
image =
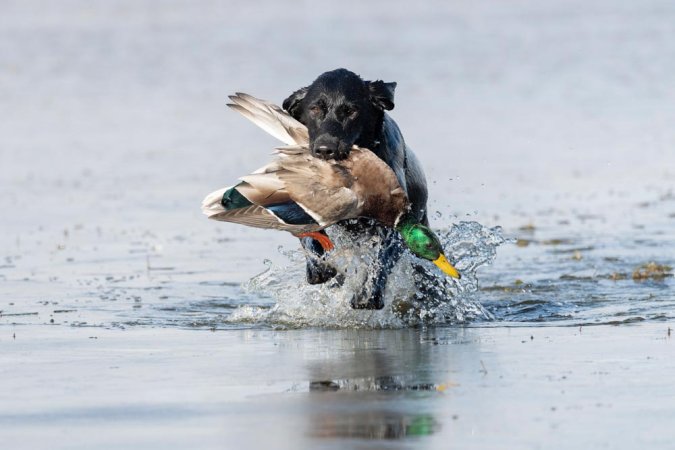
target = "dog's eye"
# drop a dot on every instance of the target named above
(350, 112)
(317, 108)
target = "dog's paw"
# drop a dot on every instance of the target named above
(367, 299)
(319, 273)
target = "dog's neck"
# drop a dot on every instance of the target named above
(373, 137)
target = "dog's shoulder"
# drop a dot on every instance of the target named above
(396, 153)
(392, 145)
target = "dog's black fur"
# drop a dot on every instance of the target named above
(340, 110)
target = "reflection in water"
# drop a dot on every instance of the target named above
(379, 384)
(374, 425)
(391, 383)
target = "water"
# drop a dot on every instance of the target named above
(581, 278)
(411, 297)
(128, 320)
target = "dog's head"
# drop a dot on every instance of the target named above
(341, 110)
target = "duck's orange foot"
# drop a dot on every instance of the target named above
(321, 238)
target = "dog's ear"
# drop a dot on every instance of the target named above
(382, 94)
(292, 103)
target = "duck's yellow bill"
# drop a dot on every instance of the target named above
(446, 267)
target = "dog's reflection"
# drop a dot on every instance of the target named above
(375, 388)
(373, 425)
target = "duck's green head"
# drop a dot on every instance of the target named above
(423, 243)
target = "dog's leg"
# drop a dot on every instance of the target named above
(372, 295)
(318, 271)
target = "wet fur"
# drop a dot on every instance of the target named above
(340, 109)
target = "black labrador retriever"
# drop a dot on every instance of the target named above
(340, 110)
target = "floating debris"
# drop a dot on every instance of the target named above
(558, 241)
(528, 228)
(524, 242)
(617, 276)
(652, 271)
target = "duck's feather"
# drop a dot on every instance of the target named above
(377, 187)
(260, 217)
(287, 216)
(263, 189)
(292, 150)
(322, 188)
(212, 203)
(270, 118)
(291, 213)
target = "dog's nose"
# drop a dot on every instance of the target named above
(325, 147)
(325, 152)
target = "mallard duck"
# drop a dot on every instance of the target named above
(299, 193)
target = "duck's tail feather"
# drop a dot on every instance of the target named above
(226, 199)
(229, 205)
(270, 118)
(212, 203)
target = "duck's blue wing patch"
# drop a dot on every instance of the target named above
(291, 213)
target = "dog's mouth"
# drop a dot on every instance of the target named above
(325, 152)
(330, 148)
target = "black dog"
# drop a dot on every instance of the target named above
(340, 110)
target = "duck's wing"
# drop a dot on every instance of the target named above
(301, 193)
(231, 204)
(262, 199)
(263, 188)
(270, 118)
(322, 188)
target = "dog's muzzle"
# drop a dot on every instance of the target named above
(330, 147)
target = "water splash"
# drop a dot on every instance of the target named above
(416, 293)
